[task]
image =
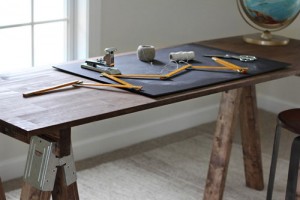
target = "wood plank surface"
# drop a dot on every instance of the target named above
(61, 108)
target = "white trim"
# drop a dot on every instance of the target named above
(135, 133)
(81, 24)
(70, 29)
(12, 168)
(99, 143)
(33, 23)
(32, 33)
(273, 104)
(69, 35)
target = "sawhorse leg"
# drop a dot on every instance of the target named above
(2, 193)
(251, 139)
(222, 142)
(61, 190)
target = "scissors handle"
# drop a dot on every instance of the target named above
(246, 58)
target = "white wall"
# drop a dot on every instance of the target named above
(129, 23)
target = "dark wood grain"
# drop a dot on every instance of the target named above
(61, 108)
(222, 143)
(63, 148)
(251, 139)
(29, 193)
(61, 190)
(2, 194)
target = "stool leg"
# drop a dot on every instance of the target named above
(2, 194)
(293, 170)
(274, 161)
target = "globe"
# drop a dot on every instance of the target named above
(268, 16)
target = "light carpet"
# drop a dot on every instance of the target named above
(176, 171)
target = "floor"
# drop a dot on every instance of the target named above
(144, 150)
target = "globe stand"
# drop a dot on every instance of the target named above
(266, 38)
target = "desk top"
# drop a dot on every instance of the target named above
(183, 81)
(23, 117)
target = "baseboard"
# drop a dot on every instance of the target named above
(274, 104)
(132, 133)
(94, 142)
(13, 168)
(142, 132)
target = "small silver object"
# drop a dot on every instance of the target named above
(243, 58)
(108, 58)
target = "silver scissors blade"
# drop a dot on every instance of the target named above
(243, 58)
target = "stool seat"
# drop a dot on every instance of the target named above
(290, 120)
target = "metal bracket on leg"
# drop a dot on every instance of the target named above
(41, 165)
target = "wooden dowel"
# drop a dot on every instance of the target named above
(44, 90)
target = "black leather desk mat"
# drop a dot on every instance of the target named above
(189, 79)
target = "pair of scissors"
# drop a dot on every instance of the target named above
(243, 58)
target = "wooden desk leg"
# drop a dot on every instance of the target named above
(2, 193)
(61, 191)
(251, 139)
(29, 193)
(222, 143)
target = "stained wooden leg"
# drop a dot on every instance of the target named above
(61, 190)
(251, 139)
(222, 143)
(2, 193)
(29, 193)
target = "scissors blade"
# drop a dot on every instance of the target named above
(243, 58)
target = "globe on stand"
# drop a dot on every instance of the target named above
(268, 16)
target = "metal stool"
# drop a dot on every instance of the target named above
(290, 120)
(2, 194)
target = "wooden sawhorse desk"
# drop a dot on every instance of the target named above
(51, 116)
